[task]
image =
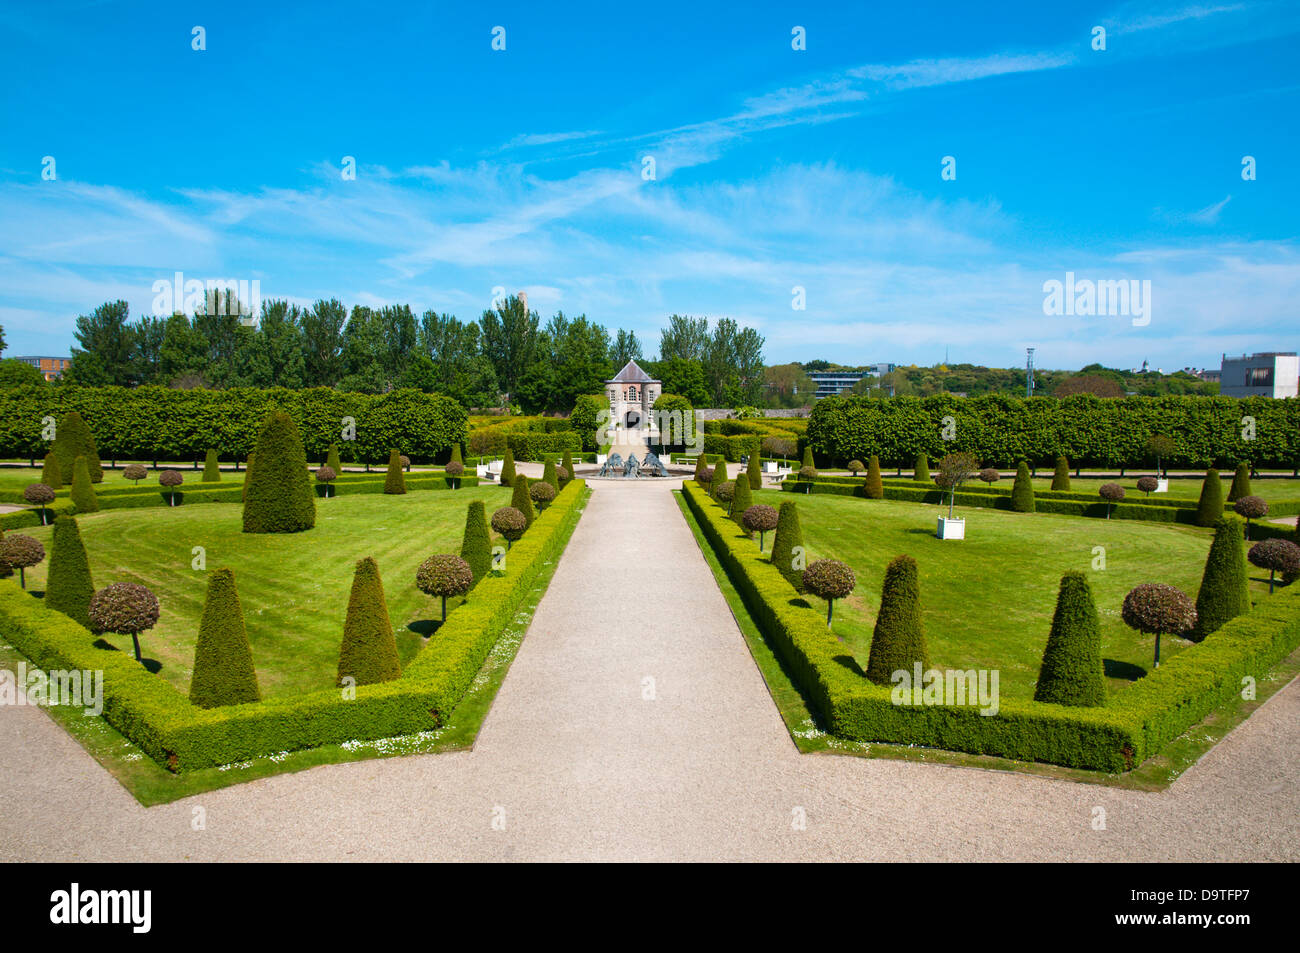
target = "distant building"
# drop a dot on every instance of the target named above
(51, 367)
(1269, 374)
(831, 383)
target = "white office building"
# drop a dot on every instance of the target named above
(1270, 374)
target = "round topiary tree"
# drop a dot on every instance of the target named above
(1161, 448)
(406, 462)
(1156, 609)
(211, 469)
(1022, 491)
(83, 490)
(454, 470)
(446, 574)
(873, 487)
(954, 470)
(368, 653)
(1251, 508)
(124, 608)
(898, 640)
(760, 519)
(521, 498)
(394, 481)
(1275, 555)
(807, 476)
(279, 498)
(171, 479)
(38, 494)
(1072, 672)
(1148, 484)
(50, 474)
(726, 492)
(1209, 508)
(787, 546)
(134, 472)
(73, 439)
(829, 579)
(510, 523)
(1225, 585)
(68, 586)
(476, 544)
(1240, 483)
(223, 660)
(1061, 478)
(21, 552)
(855, 467)
(325, 476)
(1112, 493)
(563, 474)
(541, 493)
(508, 468)
(989, 475)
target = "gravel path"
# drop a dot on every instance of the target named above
(583, 758)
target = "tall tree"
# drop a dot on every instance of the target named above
(183, 353)
(147, 349)
(685, 337)
(509, 341)
(105, 335)
(364, 351)
(322, 342)
(625, 348)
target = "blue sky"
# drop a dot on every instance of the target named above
(774, 168)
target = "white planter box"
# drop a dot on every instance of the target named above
(951, 528)
(1162, 486)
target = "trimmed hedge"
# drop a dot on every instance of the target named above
(530, 446)
(1135, 725)
(1001, 429)
(181, 736)
(148, 423)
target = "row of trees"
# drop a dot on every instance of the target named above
(507, 357)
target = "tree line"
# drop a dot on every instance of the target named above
(507, 358)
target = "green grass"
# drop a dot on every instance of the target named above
(293, 587)
(152, 784)
(1156, 774)
(1269, 488)
(988, 599)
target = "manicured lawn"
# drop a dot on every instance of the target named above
(988, 600)
(294, 587)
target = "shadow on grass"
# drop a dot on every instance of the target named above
(1113, 668)
(425, 627)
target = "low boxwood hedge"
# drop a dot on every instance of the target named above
(1132, 727)
(162, 721)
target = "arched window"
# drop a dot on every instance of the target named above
(631, 393)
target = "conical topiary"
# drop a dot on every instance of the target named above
(1240, 483)
(508, 468)
(1225, 587)
(1072, 671)
(51, 476)
(223, 661)
(787, 546)
(522, 500)
(1022, 491)
(73, 439)
(456, 455)
(807, 458)
(548, 475)
(898, 640)
(333, 462)
(248, 469)
(279, 498)
(1209, 509)
(476, 546)
(83, 492)
(394, 482)
(68, 586)
(568, 464)
(369, 651)
(921, 469)
(1061, 478)
(741, 500)
(701, 471)
(754, 471)
(873, 488)
(211, 470)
